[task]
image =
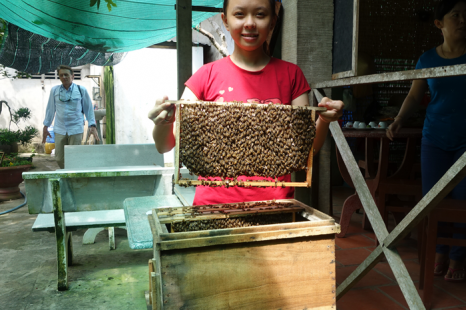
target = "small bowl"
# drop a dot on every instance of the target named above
(383, 125)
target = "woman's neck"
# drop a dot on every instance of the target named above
(451, 48)
(250, 60)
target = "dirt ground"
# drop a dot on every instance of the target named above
(98, 279)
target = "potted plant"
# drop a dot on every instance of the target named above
(11, 174)
(9, 139)
(12, 166)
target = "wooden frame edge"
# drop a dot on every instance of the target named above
(179, 102)
(177, 144)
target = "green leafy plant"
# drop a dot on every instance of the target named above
(26, 135)
(7, 137)
(13, 160)
(23, 136)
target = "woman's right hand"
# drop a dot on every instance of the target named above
(162, 113)
(394, 128)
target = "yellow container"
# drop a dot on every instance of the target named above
(49, 147)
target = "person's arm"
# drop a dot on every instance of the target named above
(89, 112)
(409, 106)
(163, 116)
(49, 116)
(333, 113)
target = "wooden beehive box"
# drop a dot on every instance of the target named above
(290, 265)
(231, 139)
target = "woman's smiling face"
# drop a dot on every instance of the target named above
(249, 22)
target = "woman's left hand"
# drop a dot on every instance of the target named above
(334, 109)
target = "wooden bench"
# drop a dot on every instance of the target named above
(110, 155)
(91, 220)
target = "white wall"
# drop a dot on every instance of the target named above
(142, 77)
(34, 94)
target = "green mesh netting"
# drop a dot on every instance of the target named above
(32, 53)
(129, 25)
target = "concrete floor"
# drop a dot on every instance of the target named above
(98, 279)
(104, 279)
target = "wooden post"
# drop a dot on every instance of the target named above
(60, 235)
(354, 52)
(111, 238)
(323, 192)
(184, 54)
(307, 38)
(399, 269)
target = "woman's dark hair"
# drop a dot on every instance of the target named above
(444, 7)
(271, 2)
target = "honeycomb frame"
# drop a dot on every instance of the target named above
(229, 182)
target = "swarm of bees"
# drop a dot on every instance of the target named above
(251, 140)
(243, 221)
(241, 207)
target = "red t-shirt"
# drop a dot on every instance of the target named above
(223, 81)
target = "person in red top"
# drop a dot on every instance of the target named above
(248, 75)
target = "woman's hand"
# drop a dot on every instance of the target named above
(393, 128)
(334, 109)
(162, 113)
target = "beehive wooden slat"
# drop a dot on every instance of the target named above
(250, 280)
(317, 222)
(235, 211)
(248, 237)
(239, 230)
(163, 212)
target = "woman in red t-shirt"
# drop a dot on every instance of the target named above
(248, 75)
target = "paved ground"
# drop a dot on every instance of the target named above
(104, 279)
(99, 278)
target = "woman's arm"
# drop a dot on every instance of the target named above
(321, 127)
(163, 116)
(410, 105)
(333, 113)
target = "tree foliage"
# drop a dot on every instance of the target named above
(23, 136)
(110, 3)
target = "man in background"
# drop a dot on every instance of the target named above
(68, 103)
